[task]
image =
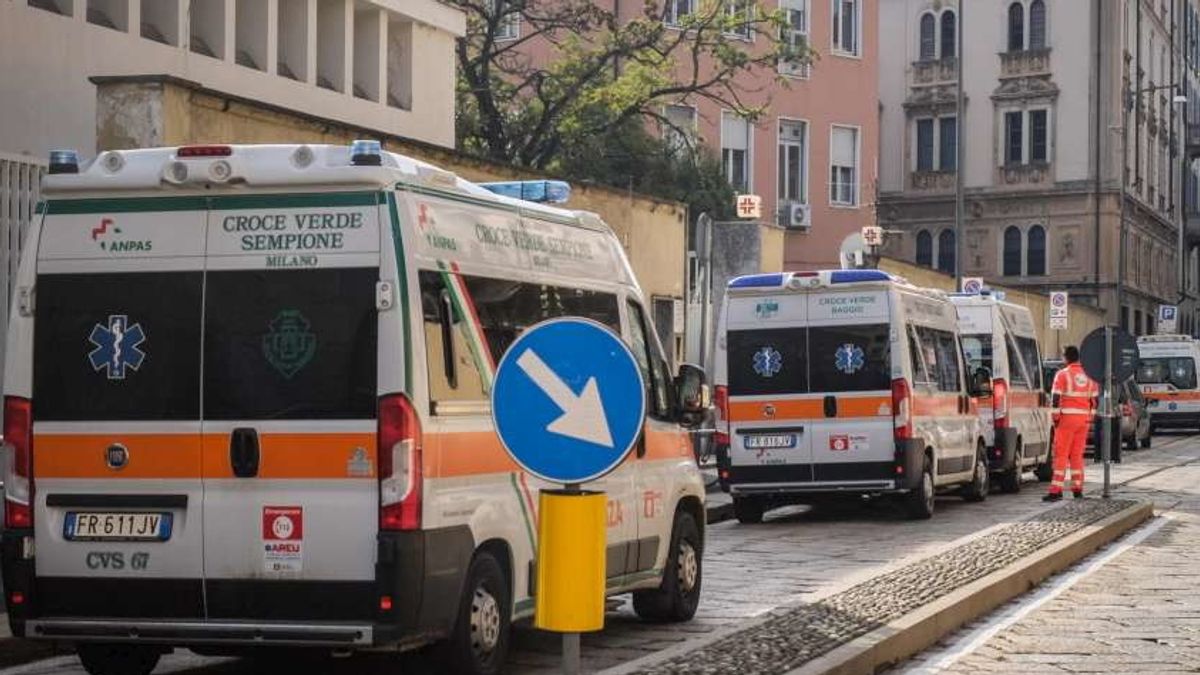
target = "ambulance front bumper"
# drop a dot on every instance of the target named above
(273, 634)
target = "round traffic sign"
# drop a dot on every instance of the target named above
(1058, 299)
(1125, 354)
(568, 400)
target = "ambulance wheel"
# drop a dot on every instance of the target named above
(1010, 479)
(748, 510)
(679, 595)
(479, 643)
(1045, 470)
(919, 501)
(1145, 442)
(981, 481)
(100, 659)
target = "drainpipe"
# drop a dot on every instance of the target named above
(1098, 9)
(960, 156)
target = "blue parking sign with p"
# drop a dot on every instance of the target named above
(568, 400)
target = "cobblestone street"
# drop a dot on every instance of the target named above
(1138, 612)
(799, 557)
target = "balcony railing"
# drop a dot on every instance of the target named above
(1025, 62)
(935, 72)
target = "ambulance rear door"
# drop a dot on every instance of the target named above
(850, 336)
(289, 379)
(118, 511)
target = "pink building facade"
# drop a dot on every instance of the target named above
(812, 157)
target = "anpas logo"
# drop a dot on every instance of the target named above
(766, 309)
(117, 347)
(290, 345)
(108, 235)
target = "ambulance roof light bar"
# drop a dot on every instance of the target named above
(539, 191)
(64, 161)
(366, 152)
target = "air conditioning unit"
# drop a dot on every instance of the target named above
(796, 216)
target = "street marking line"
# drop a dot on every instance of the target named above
(975, 639)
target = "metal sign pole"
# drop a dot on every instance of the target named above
(571, 660)
(1106, 435)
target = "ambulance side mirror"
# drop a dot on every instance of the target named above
(981, 383)
(692, 398)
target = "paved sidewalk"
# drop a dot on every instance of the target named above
(1139, 612)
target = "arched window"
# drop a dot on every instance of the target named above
(945, 262)
(1037, 24)
(1012, 251)
(1035, 263)
(1016, 27)
(949, 33)
(928, 41)
(925, 248)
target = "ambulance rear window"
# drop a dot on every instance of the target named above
(770, 361)
(850, 358)
(117, 346)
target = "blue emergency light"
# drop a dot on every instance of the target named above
(366, 153)
(64, 161)
(541, 191)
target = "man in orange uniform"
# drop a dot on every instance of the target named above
(1073, 403)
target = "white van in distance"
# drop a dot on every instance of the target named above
(247, 405)
(843, 382)
(1000, 341)
(1167, 375)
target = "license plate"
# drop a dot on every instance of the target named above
(117, 526)
(770, 441)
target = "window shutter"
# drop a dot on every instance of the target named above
(842, 151)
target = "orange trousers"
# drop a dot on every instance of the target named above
(1070, 436)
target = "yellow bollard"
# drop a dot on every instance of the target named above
(570, 561)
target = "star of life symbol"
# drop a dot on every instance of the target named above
(768, 362)
(117, 346)
(850, 359)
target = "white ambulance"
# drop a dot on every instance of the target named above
(1000, 341)
(1167, 375)
(246, 405)
(843, 382)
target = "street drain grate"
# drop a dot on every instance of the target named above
(794, 636)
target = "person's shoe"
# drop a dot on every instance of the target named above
(1053, 497)
(1078, 494)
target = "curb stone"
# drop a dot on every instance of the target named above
(794, 638)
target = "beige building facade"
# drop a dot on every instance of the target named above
(1044, 128)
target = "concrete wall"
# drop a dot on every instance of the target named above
(46, 60)
(652, 231)
(1083, 319)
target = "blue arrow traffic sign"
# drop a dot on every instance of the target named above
(568, 400)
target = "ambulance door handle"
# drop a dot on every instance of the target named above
(243, 452)
(831, 406)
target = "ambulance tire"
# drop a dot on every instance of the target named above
(1145, 442)
(479, 642)
(748, 510)
(981, 479)
(102, 659)
(1010, 478)
(1045, 470)
(919, 501)
(678, 597)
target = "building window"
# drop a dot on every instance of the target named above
(925, 145)
(843, 166)
(928, 38)
(796, 34)
(738, 14)
(679, 129)
(1012, 251)
(793, 160)
(508, 20)
(845, 26)
(925, 248)
(948, 144)
(949, 34)
(1016, 27)
(945, 258)
(1038, 147)
(1035, 263)
(677, 10)
(735, 150)
(1013, 143)
(1037, 25)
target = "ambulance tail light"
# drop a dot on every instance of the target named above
(1126, 410)
(721, 403)
(902, 421)
(18, 479)
(1000, 403)
(203, 151)
(399, 442)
